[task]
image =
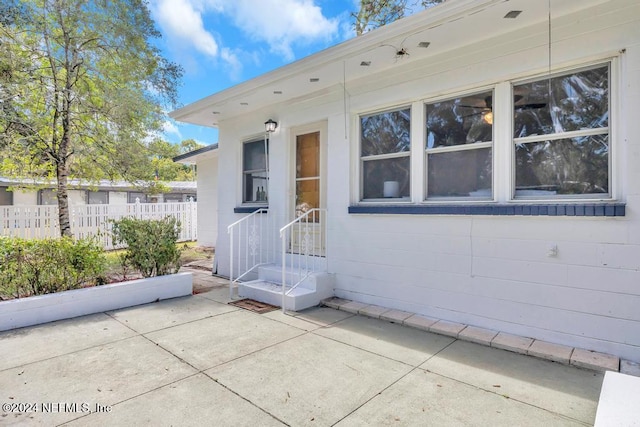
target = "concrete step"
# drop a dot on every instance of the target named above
(273, 273)
(296, 261)
(267, 287)
(271, 293)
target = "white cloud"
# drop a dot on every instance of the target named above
(279, 23)
(182, 20)
(282, 23)
(233, 63)
(169, 127)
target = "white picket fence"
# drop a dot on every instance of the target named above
(40, 221)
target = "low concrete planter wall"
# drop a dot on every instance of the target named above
(79, 302)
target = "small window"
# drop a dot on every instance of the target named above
(47, 197)
(6, 197)
(135, 196)
(561, 135)
(254, 171)
(98, 197)
(459, 137)
(385, 167)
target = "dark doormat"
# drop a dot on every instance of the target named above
(253, 305)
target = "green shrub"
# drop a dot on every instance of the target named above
(36, 267)
(151, 244)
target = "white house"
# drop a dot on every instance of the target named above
(206, 161)
(479, 162)
(17, 192)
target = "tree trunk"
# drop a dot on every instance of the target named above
(63, 200)
(62, 170)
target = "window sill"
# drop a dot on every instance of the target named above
(248, 209)
(511, 209)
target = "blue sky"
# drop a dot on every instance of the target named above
(220, 43)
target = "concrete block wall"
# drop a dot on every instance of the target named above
(490, 272)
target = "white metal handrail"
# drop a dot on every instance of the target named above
(256, 245)
(306, 240)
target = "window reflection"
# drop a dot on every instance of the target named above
(562, 104)
(460, 173)
(254, 161)
(458, 147)
(386, 133)
(548, 164)
(566, 166)
(385, 142)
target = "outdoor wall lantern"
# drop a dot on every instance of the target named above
(270, 126)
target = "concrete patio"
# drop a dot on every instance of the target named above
(199, 361)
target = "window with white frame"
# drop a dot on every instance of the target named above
(459, 135)
(561, 135)
(385, 166)
(254, 171)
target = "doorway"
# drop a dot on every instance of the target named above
(307, 236)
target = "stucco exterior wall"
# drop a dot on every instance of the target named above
(25, 197)
(117, 197)
(489, 271)
(77, 197)
(207, 201)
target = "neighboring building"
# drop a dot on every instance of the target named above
(479, 163)
(206, 161)
(104, 192)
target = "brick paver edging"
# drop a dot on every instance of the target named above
(582, 358)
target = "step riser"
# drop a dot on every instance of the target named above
(271, 293)
(296, 303)
(313, 263)
(274, 275)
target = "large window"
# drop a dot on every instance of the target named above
(385, 155)
(459, 135)
(561, 135)
(254, 171)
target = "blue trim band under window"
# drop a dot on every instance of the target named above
(584, 209)
(248, 209)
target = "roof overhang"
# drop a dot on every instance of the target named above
(440, 29)
(101, 185)
(192, 157)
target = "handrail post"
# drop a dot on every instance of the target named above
(231, 264)
(283, 237)
(247, 228)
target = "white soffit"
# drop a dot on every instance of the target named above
(447, 26)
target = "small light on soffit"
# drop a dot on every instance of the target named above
(277, 92)
(365, 63)
(424, 44)
(314, 79)
(244, 103)
(513, 14)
